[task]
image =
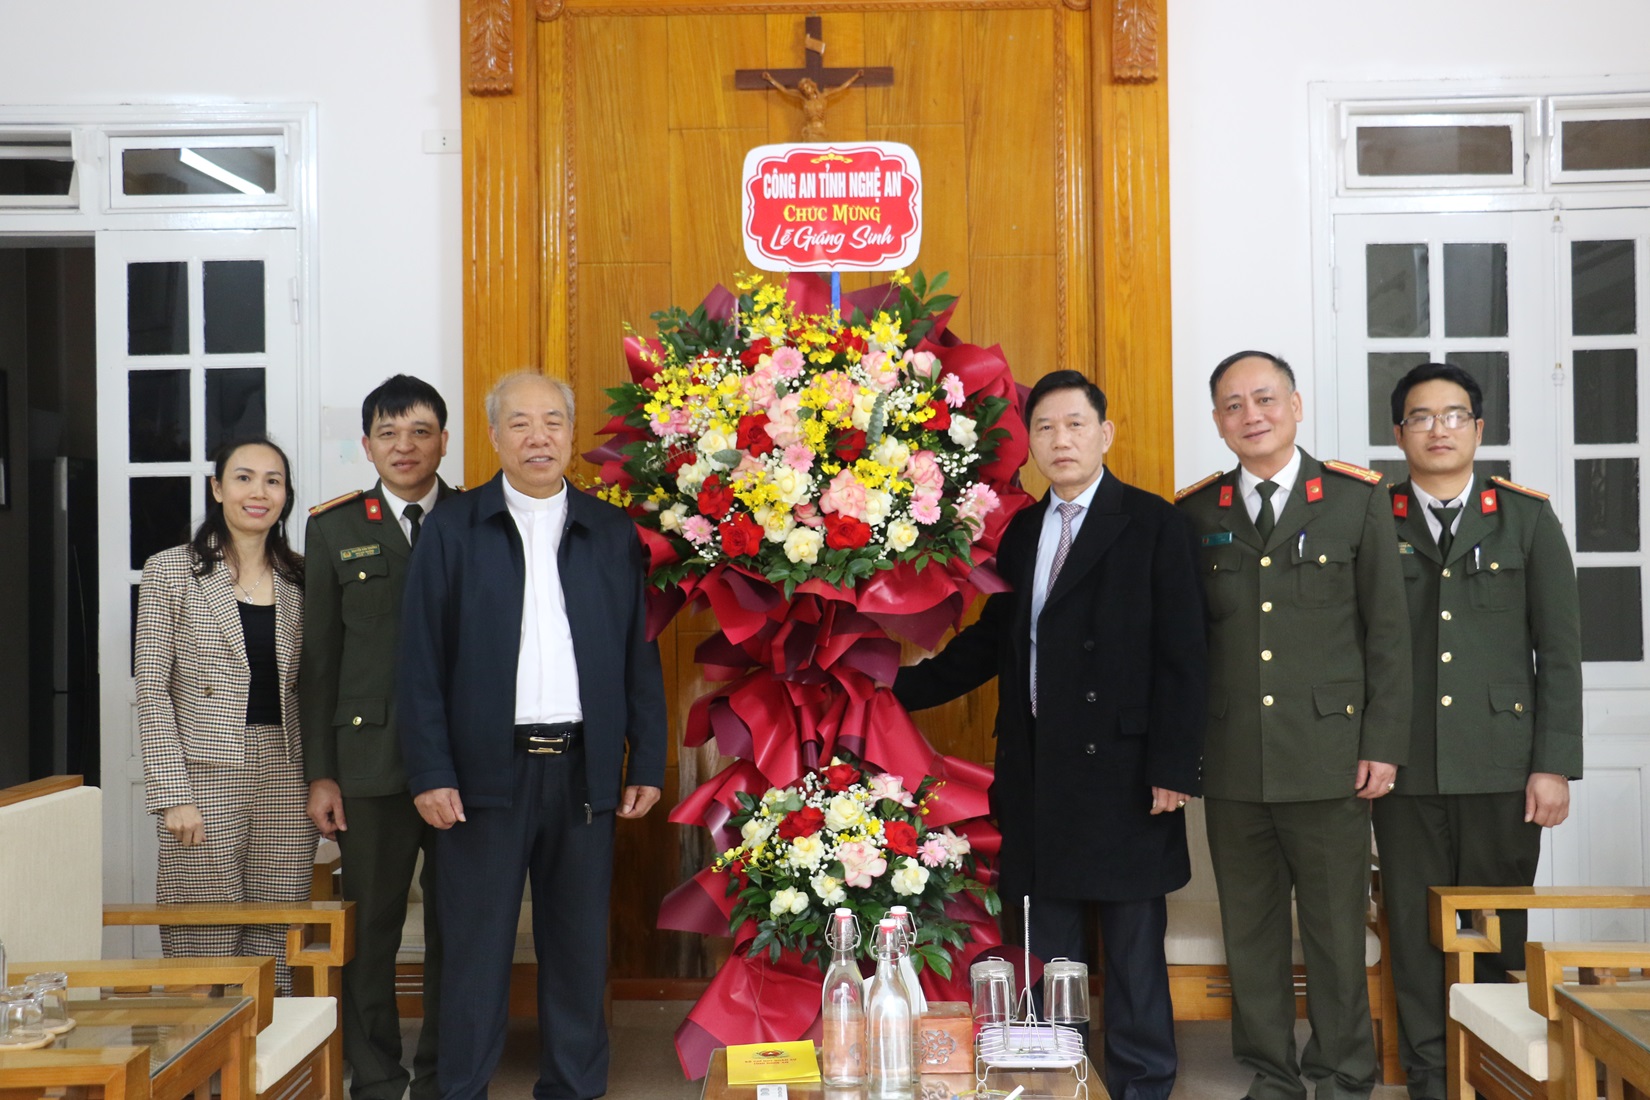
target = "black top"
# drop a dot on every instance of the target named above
(263, 699)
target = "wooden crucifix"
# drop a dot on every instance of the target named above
(813, 85)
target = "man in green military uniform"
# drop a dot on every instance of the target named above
(1496, 732)
(356, 552)
(1309, 700)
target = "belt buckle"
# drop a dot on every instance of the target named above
(554, 745)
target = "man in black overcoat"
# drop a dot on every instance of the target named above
(1100, 657)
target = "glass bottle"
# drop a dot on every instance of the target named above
(890, 1023)
(842, 1004)
(908, 972)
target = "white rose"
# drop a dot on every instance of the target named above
(829, 889)
(714, 441)
(962, 432)
(891, 453)
(753, 830)
(864, 402)
(671, 518)
(692, 475)
(877, 506)
(793, 485)
(776, 523)
(843, 813)
(807, 851)
(802, 545)
(910, 878)
(902, 533)
(787, 901)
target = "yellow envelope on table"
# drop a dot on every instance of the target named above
(761, 1063)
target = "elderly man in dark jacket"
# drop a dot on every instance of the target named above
(1099, 655)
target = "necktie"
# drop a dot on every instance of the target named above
(1068, 512)
(1446, 516)
(1266, 520)
(413, 513)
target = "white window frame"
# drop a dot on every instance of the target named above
(1520, 117)
(1590, 109)
(119, 146)
(47, 144)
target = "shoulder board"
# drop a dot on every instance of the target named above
(1517, 488)
(328, 506)
(1347, 469)
(1190, 489)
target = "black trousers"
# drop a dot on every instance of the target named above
(1140, 1059)
(1446, 840)
(545, 837)
(379, 851)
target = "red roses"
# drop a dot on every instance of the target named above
(846, 533)
(804, 822)
(715, 498)
(900, 837)
(839, 777)
(741, 535)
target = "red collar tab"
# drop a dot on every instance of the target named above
(1225, 496)
(1486, 501)
(1400, 505)
(1314, 490)
(375, 509)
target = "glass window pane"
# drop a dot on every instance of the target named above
(160, 515)
(157, 415)
(234, 405)
(1475, 289)
(1396, 288)
(35, 176)
(1607, 504)
(247, 171)
(1489, 369)
(1435, 150)
(1604, 144)
(1385, 368)
(1612, 613)
(157, 308)
(232, 297)
(1601, 288)
(1607, 396)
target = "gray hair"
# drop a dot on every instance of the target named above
(495, 395)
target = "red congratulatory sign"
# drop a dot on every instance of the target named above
(820, 207)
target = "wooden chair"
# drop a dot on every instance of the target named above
(1200, 984)
(53, 835)
(1503, 1039)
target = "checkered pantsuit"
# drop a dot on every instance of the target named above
(260, 846)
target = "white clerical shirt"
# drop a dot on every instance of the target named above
(547, 670)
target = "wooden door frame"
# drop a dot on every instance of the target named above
(1113, 158)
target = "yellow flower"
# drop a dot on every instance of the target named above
(900, 278)
(747, 280)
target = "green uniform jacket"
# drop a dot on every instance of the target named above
(355, 567)
(1497, 645)
(1309, 655)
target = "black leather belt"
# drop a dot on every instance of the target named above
(548, 739)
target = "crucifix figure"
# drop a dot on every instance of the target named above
(813, 85)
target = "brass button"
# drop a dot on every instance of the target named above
(1446, 572)
(1267, 606)
(1446, 700)
(362, 575)
(1349, 708)
(1518, 708)
(1447, 657)
(1446, 616)
(1264, 562)
(1494, 565)
(356, 721)
(1266, 654)
(1266, 701)
(1323, 559)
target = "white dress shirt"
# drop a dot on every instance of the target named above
(399, 507)
(1048, 541)
(1426, 502)
(547, 670)
(1284, 479)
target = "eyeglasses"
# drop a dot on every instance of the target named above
(1453, 419)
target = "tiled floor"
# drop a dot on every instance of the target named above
(644, 1063)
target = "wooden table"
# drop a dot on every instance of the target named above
(1044, 1084)
(1608, 1024)
(142, 1047)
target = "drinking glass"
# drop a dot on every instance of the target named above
(992, 981)
(52, 987)
(20, 1017)
(1066, 992)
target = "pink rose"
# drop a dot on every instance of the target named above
(807, 515)
(841, 389)
(861, 863)
(927, 479)
(845, 495)
(758, 386)
(787, 362)
(891, 786)
(882, 370)
(977, 501)
(920, 364)
(784, 425)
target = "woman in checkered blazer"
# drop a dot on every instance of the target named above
(219, 625)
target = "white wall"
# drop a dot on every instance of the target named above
(1238, 150)
(381, 74)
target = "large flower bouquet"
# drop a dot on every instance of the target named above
(845, 836)
(820, 478)
(805, 445)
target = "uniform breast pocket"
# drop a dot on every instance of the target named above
(1495, 578)
(364, 587)
(1323, 571)
(1222, 580)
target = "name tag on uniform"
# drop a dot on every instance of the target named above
(1219, 538)
(360, 552)
(1405, 548)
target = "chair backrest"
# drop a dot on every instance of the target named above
(51, 873)
(1202, 886)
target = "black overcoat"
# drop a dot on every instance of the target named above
(1122, 700)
